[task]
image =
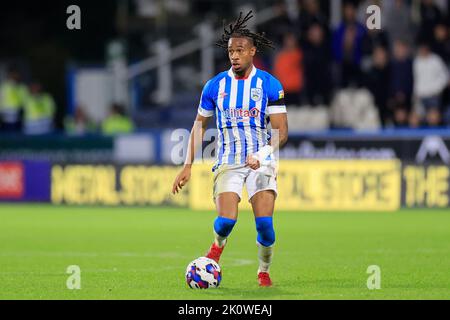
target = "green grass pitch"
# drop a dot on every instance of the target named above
(142, 253)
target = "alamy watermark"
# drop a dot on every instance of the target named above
(373, 22)
(74, 280)
(209, 148)
(73, 22)
(374, 280)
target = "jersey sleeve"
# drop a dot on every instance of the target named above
(206, 106)
(276, 102)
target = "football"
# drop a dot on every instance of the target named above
(203, 273)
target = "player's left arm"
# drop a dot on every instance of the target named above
(278, 118)
(278, 139)
(279, 130)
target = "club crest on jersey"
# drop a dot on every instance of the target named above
(256, 94)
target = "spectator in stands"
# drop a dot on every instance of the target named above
(441, 46)
(441, 41)
(414, 120)
(434, 117)
(430, 80)
(12, 99)
(310, 14)
(288, 68)
(401, 116)
(79, 123)
(317, 52)
(39, 111)
(430, 16)
(398, 23)
(401, 80)
(347, 46)
(117, 121)
(377, 81)
(375, 38)
(446, 114)
(276, 28)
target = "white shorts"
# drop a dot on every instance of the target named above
(231, 178)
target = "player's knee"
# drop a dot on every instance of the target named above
(223, 226)
(266, 233)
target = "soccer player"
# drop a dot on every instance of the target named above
(244, 100)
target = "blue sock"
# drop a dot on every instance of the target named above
(266, 233)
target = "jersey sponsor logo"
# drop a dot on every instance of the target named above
(234, 113)
(280, 94)
(256, 94)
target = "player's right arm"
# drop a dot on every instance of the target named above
(195, 142)
(205, 112)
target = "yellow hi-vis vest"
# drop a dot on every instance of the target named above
(115, 124)
(12, 98)
(38, 113)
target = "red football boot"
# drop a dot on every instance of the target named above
(215, 252)
(264, 279)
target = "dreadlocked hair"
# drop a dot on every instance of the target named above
(238, 29)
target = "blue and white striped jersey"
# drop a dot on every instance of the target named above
(242, 108)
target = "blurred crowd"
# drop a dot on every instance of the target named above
(404, 65)
(27, 108)
(343, 73)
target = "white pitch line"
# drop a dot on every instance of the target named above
(91, 254)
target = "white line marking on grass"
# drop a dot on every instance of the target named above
(240, 262)
(173, 255)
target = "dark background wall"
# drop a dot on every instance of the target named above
(34, 36)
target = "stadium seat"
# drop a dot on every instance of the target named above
(306, 118)
(355, 108)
